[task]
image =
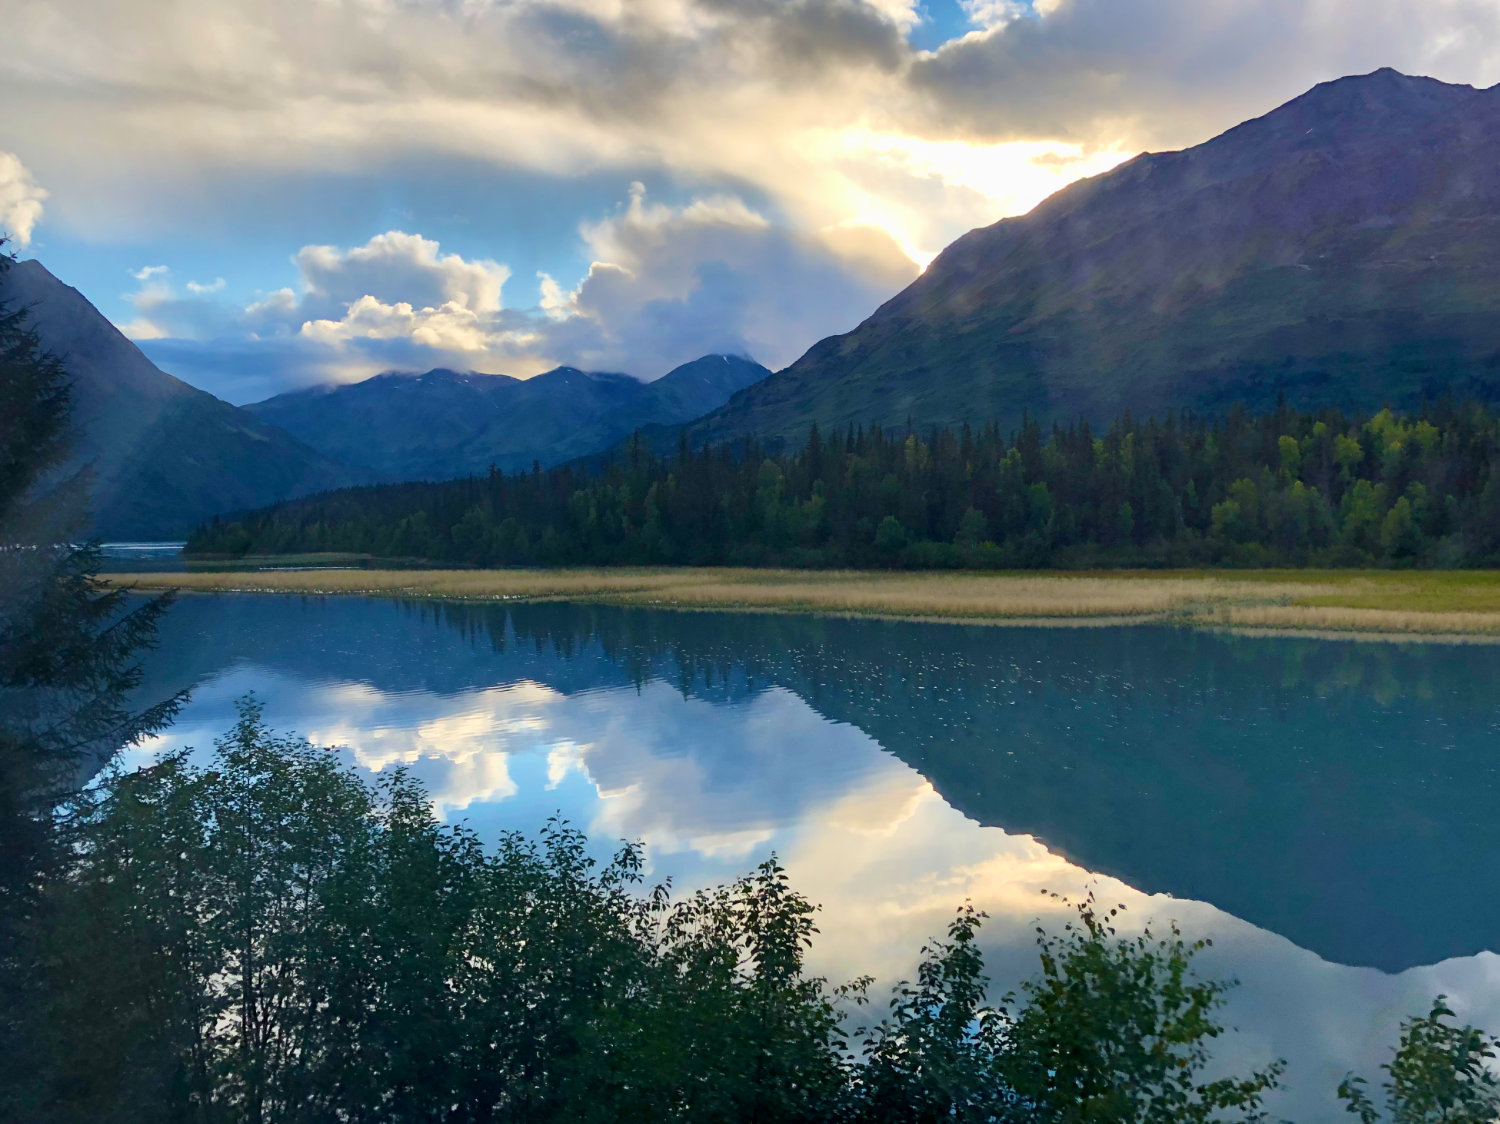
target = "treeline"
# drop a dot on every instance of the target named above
(1286, 488)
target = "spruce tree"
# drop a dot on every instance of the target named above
(69, 650)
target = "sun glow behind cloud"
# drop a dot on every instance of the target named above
(1010, 177)
(801, 127)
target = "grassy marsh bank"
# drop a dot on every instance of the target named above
(1426, 603)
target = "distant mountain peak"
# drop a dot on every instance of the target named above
(444, 424)
(1354, 109)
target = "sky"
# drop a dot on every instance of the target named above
(267, 194)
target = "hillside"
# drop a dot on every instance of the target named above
(165, 455)
(1342, 250)
(443, 424)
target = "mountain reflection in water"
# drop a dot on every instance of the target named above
(1338, 795)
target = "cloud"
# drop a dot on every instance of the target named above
(397, 300)
(161, 312)
(666, 285)
(1170, 73)
(809, 151)
(396, 267)
(711, 94)
(397, 289)
(449, 329)
(709, 91)
(670, 284)
(21, 200)
(990, 14)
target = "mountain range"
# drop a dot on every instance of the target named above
(163, 455)
(444, 424)
(1342, 250)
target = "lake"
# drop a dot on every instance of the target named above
(1325, 810)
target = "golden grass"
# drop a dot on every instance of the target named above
(1327, 601)
(942, 595)
(1319, 618)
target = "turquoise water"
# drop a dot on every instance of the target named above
(1325, 810)
(142, 557)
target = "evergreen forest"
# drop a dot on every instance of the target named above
(1285, 488)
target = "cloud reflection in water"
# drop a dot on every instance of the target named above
(714, 772)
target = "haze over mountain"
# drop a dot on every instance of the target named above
(444, 424)
(1341, 250)
(164, 454)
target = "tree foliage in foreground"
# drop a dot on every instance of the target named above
(1286, 488)
(1440, 1073)
(269, 937)
(272, 938)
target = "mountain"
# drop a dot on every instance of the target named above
(393, 423)
(1342, 250)
(165, 455)
(444, 424)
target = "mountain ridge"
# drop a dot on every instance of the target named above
(1335, 251)
(457, 424)
(164, 454)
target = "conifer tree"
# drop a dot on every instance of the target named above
(68, 663)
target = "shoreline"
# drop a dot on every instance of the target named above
(1413, 606)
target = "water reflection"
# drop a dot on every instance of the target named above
(1318, 807)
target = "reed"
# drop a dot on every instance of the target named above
(1323, 618)
(944, 595)
(1378, 602)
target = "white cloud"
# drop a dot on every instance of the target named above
(667, 285)
(710, 92)
(21, 200)
(904, 14)
(555, 300)
(161, 312)
(396, 266)
(990, 14)
(670, 284)
(397, 300)
(396, 285)
(1170, 73)
(280, 304)
(451, 328)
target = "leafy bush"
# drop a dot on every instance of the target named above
(270, 937)
(1438, 1073)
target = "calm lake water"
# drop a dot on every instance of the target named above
(1328, 812)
